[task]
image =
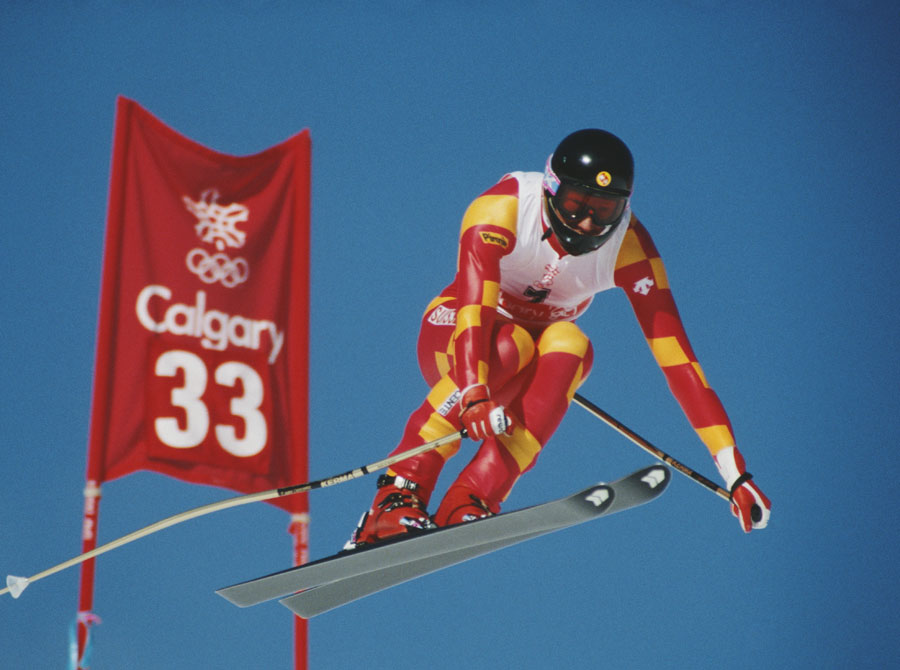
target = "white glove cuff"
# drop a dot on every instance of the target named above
(728, 466)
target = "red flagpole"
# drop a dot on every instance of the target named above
(299, 327)
(299, 530)
(88, 543)
(100, 401)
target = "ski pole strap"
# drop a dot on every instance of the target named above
(746, 477)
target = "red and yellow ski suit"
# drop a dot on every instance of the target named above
(508, 321)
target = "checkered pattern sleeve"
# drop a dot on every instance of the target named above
(488, 233)
(640, 272)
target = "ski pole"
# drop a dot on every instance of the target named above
(15, 585)
(650, 448)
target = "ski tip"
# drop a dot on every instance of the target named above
(15, 585)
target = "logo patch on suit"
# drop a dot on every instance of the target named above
(495, 238)
(442, 316)
(643, 286)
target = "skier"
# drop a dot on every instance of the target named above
(504, 357)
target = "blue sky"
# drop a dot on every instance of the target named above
(766, 141)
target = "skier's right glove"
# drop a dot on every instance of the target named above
(748, 503)
(480, 416)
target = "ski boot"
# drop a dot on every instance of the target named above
(397, 509)
(460, 505)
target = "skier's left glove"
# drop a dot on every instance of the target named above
(748, 503)
(481, 416)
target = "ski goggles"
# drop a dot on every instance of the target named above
(573, 205)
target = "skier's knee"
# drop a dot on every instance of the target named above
(513, 350)
(564, 337)
(524, 345)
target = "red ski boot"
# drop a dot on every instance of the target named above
(397, 509)
(461, 504)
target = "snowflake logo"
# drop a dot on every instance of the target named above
(217, 224)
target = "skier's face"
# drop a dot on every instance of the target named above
(587, 227)
(587, 213)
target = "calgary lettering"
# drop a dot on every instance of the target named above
(215, 329)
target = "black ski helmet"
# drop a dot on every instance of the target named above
(591, 174)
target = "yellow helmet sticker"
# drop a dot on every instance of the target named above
(603, 178)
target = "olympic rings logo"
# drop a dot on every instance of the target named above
(218, 267)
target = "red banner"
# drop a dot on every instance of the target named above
(203, 338)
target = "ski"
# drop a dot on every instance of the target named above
(388, 563)
(631, 491)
